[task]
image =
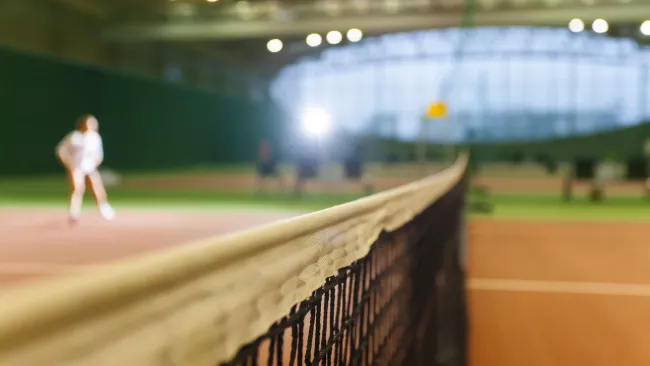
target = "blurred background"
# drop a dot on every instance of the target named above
(180, 84)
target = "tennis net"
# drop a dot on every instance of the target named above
(401, 304)
(374, 282)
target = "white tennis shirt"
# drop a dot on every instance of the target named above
(81, 150)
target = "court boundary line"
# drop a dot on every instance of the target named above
(559, 287)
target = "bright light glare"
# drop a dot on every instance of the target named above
(334, 37)
(314, 40)
(274, 45)
(600, 26)
(315, 122)
(354, 35)
(645, 28)
(576, 25)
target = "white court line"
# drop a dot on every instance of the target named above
(567, 287)
(19, 268)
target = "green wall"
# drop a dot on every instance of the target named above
(145, 123)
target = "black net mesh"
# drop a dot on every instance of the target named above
(401, 304)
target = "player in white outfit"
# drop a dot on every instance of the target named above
(81, 153)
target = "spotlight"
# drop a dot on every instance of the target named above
(354, 35)
(274, 45)
(600, 26)
(645, 28)
(315, 122)
(314, 40)
(576, 25)
(334, 37)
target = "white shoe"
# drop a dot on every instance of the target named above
(107, 211)
(73, 221)
(73, 217)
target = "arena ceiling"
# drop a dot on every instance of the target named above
(238, 30)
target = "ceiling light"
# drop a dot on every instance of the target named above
(576, 25)
(354, 35)
(600, 26)
(274, 45)
(334, 37)
(645, 28)
(314, 40)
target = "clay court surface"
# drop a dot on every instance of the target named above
(245, 182)
(552, 185)
(38, 243)
(561, 293)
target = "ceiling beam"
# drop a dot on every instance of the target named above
(257, 66)
(222, 30)
(93, 9)
(213, 53)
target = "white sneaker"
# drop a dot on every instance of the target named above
(107, 211)
(73, 221)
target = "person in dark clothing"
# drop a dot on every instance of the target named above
(267, 166)
(306, 169)
(354, 163)
(353, 166)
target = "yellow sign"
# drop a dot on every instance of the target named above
(437, 110)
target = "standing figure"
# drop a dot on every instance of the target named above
(354, 169)
(81, 152)
(267, 166)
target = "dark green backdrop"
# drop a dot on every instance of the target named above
(620, 144)
(145, 123)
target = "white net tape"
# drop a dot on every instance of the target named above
(197, 304)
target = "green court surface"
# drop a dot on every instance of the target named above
(552, 207)
(191, 200)
(52, 192)
(197, 169)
